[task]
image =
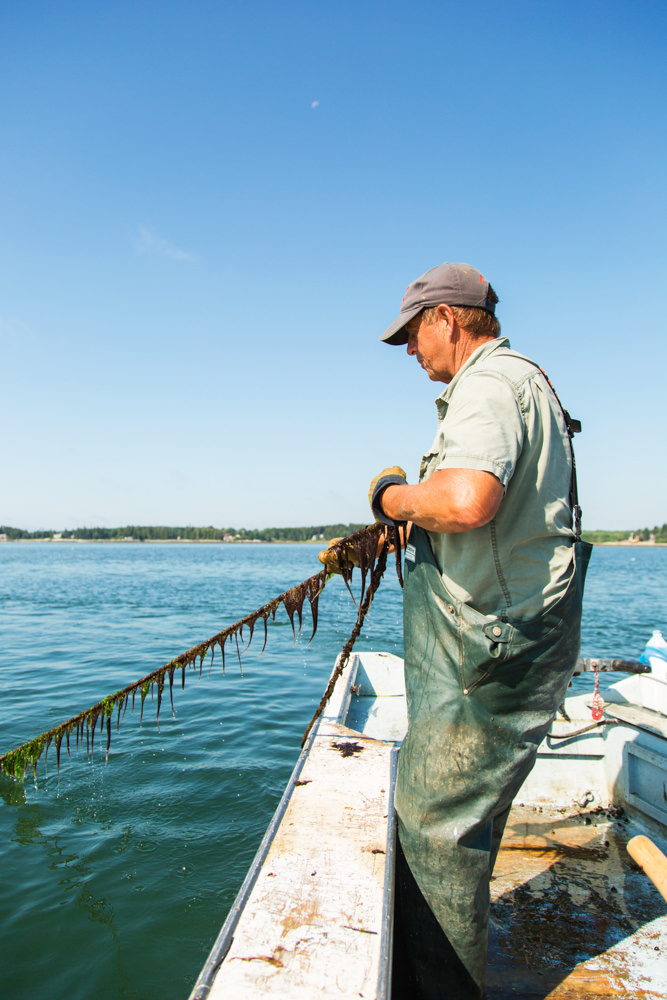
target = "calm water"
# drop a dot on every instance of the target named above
(116, 877)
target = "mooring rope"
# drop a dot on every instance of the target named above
(360, 548)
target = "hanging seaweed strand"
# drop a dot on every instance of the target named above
(376, 572)
(360, 548)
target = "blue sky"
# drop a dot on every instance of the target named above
(210, 211)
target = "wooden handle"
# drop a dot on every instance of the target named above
(652, 860)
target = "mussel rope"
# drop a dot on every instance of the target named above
(360, 548)
(362, 611)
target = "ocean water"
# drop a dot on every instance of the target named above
(117, 876)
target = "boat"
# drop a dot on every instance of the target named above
(574, 915)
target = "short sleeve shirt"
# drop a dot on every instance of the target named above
(499, 415)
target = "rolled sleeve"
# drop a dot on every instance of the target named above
(483, 428)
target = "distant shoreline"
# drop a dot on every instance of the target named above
(244, 541)
(635, 545)
(161, 541)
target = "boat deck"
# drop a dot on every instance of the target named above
(572, 915)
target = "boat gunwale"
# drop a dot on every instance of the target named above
(223, 942)
(333, 719)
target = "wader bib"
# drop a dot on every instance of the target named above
(481, 694)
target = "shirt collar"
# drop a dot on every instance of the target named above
(483, 351)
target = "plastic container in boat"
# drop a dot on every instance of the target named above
(654, 685)
(656, 647)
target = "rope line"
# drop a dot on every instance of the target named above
(364, 606)
(360, 548)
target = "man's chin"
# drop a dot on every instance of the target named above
(434, 376)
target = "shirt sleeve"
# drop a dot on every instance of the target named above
(483, 427)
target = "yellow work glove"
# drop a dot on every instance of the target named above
(394, 476)
(330, 559)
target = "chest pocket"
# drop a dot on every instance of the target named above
(433, 456)
(429, 464)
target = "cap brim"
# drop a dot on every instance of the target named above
(396, 334)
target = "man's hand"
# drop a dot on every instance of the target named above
(393, 476)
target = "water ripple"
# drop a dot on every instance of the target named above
(122, 872)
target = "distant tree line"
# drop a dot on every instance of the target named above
(659, 534)
(148, 533)
(318, 532)
(645, 534)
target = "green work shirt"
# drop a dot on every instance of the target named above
(498, 414)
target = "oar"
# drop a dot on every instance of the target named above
(651, 859)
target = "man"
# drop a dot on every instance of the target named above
(492, 610)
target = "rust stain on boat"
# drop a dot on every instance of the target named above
(271, 959)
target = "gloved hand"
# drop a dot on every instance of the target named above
(394, 476)
(330, 559)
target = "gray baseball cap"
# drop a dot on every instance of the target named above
(452, 284)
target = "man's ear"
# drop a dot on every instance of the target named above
(446, 313)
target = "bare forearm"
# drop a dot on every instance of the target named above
(451, 501)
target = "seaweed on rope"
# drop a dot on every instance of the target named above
(360, 548)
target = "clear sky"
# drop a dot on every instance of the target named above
(209, 212)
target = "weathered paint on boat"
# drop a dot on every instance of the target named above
(313, 917)
(573, 916)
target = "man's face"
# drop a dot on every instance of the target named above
(431, 345)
